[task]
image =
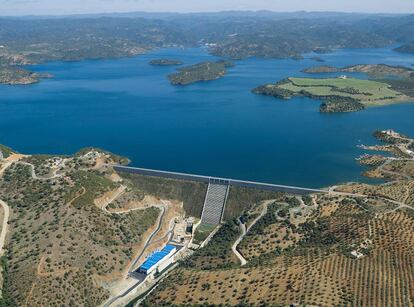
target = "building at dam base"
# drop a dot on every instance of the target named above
(159, 260)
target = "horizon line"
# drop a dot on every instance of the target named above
(207, 12)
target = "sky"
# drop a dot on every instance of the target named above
(58, 7)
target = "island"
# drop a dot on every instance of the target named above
(166, 62)
(340, 94)
(204, 71)
(17, 76)
(317, 59)
(321, 69)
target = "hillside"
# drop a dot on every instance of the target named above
(232, 35)
(333, 249)
(68, 243)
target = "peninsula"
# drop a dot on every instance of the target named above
(204, 71)
(373, 70)
(338, 94)
(406, 48)
(17, 76)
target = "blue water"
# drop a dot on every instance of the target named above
(216, 128)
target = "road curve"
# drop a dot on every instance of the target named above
(245, 231)
(237, 242)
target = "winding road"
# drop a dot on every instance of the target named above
(245, 230)
(118, 193)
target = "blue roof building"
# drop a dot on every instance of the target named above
(153, 261)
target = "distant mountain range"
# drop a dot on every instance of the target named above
(34, 39)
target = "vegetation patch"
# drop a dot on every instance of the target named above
(217, 253)
(6, 151)
(202, 232)
(242, 199)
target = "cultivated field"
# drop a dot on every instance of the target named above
(366, 91)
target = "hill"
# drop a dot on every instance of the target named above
(68, 241)
(333, 249)
(232, 35)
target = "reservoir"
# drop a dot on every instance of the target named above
(216, 128)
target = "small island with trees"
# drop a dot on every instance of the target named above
(166, 62)
(204, 71)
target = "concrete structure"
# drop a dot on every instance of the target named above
(214, 202)
(158, 260)
(208, 179)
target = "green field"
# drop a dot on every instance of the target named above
(366, 91)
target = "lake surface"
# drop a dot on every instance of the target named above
(216, 128)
